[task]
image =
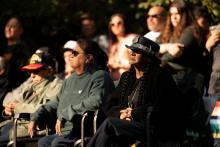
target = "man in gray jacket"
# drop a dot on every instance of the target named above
(39, 88)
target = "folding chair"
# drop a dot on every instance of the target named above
(26, 140)
(83, 139)
(147, 143)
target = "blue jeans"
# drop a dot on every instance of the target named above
(4, 137)
(55, 141)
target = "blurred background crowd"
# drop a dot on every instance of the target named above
(188, 34)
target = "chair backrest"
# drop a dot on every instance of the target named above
(97, 117)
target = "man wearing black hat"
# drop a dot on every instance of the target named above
(145, 88)
(39, 88)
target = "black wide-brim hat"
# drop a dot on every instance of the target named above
(142, 45)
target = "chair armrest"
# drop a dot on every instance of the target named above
(25, 116)
(150, 110)
(16, 117)
(94, 115)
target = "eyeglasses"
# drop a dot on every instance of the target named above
(154, 15)
(116, 24)
(76, 53)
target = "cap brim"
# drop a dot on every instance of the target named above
(67, 49)
(32, 67)
(141, 51)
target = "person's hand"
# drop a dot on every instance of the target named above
(9, 108)
(126, 114)
(129, 110)
(212, 40)
(123, 114)
(58, 127)
(31, 128)
(175, 49)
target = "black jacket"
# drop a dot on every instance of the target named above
(161, 92)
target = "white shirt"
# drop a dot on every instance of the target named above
(152, 35)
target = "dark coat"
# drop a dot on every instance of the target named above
(160, 92)
(18, 56)
(4, 88)
(214, 84)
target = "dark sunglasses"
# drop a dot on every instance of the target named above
(154, 16)
(76, 53)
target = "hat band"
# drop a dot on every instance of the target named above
(146, 49)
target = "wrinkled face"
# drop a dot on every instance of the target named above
(155, 20)
(175, 16)
(79, 59)
(134, 58)
(12, 29)
(117, 26)
(39, 75)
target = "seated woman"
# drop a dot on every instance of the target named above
(84, 90)
(145, 86)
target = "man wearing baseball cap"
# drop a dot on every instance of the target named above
(39, 88)
(40, 59)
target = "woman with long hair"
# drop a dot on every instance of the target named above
(182, 51)
(145, 87)
(117, 53)
(182, 46)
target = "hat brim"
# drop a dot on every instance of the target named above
(66, 49)
(136, 49)
(32, 67)
(141, 51)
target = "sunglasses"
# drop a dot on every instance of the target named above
(154, 16)
(76, 53)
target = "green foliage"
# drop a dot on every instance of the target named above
(214, 9)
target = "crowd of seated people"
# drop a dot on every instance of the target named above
(165, 73)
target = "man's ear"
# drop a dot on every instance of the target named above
(50, 69)
(89, 58)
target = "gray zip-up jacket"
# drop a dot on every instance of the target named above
(30, 97)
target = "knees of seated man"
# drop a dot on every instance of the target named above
(55, 141)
